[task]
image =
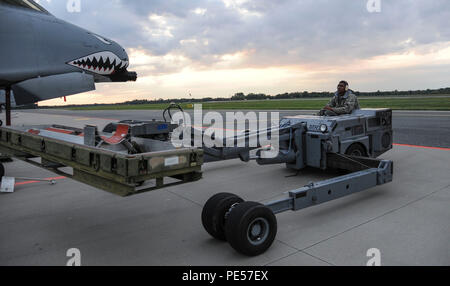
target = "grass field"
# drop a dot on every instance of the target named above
(442, 103)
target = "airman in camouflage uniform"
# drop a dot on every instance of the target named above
(343, 102)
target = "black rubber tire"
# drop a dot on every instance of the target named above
(356, 150)
(2, 171)
(238, 228)
(214, 212)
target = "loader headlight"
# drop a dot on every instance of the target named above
(323, 128)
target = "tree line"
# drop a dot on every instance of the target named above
(261, 96)
(306, 94)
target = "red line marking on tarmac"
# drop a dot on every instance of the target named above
(423, 147)
(33, 182)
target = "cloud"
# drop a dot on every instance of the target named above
(270, 32)
(237, 45)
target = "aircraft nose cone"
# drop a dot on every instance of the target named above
(104, 57)
(113, 47)
(122, 54)
(123, 75)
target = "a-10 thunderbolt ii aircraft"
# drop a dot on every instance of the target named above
(43, 57)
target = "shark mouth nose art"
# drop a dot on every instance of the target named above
(104, 63)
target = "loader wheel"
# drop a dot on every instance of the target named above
(356, 150)
(251, 228)
(215, 211)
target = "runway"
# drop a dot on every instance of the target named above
(407, 220)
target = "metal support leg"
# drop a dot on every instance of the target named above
(328, 190)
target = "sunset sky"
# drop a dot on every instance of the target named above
(216, 48)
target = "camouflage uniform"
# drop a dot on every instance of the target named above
(344, 104)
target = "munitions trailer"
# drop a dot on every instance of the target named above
(114, 162)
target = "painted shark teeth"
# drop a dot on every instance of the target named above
(104, 63)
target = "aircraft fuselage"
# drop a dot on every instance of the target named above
(38, 49)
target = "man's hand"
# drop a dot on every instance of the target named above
(328, 108)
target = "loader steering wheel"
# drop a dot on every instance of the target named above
(167, 110)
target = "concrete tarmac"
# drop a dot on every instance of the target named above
(407, 220)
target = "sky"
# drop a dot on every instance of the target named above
(216, 48)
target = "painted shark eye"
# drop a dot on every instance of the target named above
(103, 40)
